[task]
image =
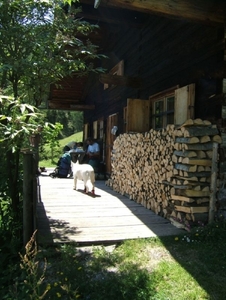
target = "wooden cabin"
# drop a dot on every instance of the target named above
(166, 64)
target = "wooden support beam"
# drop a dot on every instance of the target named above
(209, 11)
(120, 80)
(70, 106)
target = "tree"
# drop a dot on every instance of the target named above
(72, 121)
(41, 42)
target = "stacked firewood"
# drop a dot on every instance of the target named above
(167, 171)
(192, 157)
(140, 164)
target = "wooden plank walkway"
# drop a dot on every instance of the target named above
(65, 215)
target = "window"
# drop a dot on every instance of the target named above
(162, 106)
(98, 129)
(172, 106)
(163, 112)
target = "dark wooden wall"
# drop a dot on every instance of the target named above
(163, 53)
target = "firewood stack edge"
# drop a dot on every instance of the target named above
(167, 171)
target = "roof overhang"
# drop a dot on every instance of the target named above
(70, 93)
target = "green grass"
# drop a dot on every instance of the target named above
(45, 157)
(188, 267)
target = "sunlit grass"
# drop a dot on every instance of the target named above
(187, 267)
(47, 162)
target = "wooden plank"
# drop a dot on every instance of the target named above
(185, 153)
(200, 131)
(197, 174)
(184, 104)
(206, 146)
(201, 209)
(187, 168)
(65, 215)
(196, 161)
(187, 140)
(192, 193)
(182, 208)
(182, 198)
(138, 113)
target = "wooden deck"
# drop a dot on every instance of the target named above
(65, 215)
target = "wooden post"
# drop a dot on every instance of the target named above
(34, 142)
(213, 183)
(28, 193)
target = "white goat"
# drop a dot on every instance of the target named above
(85, 173)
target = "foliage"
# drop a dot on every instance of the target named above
(72, 121)
(50, 134)
(156, 269)
(42, 42)
(49, 160)
(16, 121)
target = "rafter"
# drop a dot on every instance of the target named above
(210, 11)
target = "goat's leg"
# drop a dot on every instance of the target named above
(75, 183)
(86, 190)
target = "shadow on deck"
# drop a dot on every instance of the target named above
(65, 215)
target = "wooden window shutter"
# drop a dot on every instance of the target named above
(184, 104)
(95, 129)
(86, 131)
(138, 115)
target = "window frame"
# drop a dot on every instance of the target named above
(162, 96)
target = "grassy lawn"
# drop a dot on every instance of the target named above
(45, 158)
(189, 267)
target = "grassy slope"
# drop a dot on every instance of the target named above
(77, 137)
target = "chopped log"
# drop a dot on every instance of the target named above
(204, 139)
(193, 178)
(188, 122)
(202, 200)
(192, 193)
(187, 140)
(199, 209)
(201, 154)
(198, 122)
(187, 168)
(217, 139)
(185, 153)
(206, 122)
(197, 174)
(200, 131)
(196, 161)
(200, 169)
(182, 208)
(209, 154)
(207, 146)
(182, 198)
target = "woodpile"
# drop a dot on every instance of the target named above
(167, 171)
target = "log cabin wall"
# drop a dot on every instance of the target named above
(163, 53)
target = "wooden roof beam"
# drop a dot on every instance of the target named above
(72, 106)
(210, 11)
(120, 80)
